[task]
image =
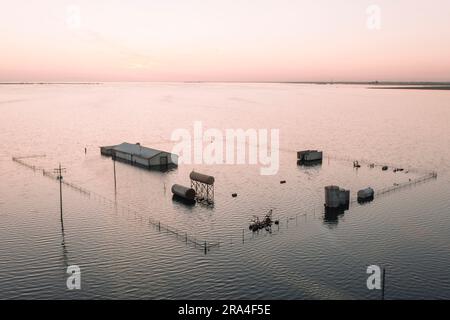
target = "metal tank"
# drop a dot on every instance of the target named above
(336, 197)
(183, 192)
(332, 199)
(366, 194)
(203, 178)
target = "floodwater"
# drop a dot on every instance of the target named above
(308, 256)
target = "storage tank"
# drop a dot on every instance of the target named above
(344, 197)
(183, 192)
(366, 194)
(332, 199)
(336, 197)
(200, 177)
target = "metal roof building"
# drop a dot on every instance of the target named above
(136, 154)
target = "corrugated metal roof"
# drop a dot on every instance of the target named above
(137, 150)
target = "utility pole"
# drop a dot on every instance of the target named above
(59, 176)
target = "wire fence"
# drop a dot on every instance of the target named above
(246, 235)
(374, 164)
(194, 241)
(398, 186)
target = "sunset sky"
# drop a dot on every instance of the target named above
(224, 40)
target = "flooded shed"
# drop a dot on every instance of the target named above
(136, 154)
(309, 157)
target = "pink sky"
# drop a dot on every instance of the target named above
(223, 40)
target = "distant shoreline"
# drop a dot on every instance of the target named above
(376, 83)
(421, 85)
(47, 83)
(413, 88)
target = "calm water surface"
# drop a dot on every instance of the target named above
(308, 257)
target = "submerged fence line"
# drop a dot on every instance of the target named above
(180, 235)
(397, 186)
(375, 164)
(246, 235)
(319, 211)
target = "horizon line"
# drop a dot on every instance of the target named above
(371, 82)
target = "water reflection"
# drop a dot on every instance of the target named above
(315, 163)
(332, 215)
(65, 253)
(367, 200)
(187, 202)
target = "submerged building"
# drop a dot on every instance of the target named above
(136, 154)
(309, 157)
